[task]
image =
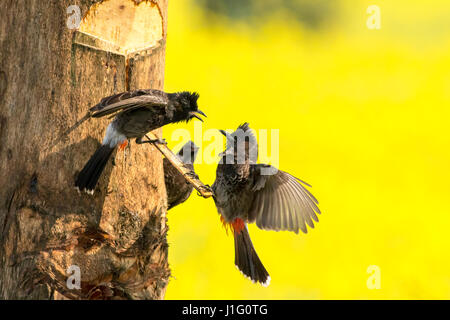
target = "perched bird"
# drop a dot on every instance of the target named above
(247, 192)
(138, 112)
(178, 189)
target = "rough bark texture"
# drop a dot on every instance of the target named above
(118, 236)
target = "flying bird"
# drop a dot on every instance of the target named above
(178, 189)
(247, 192)
(137, 112)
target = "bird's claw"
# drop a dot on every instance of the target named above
(205, 188)
(160, 141)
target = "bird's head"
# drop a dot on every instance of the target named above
(187, 107)
(241, 145)
(188, 152)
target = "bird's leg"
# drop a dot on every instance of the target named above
(158, 141)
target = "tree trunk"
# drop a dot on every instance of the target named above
(50, 75)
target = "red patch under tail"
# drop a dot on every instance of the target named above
(123, 145)
(237, 225)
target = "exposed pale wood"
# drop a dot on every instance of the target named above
(138, 28)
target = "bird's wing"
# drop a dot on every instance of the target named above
(129, 100)
(177, 188)
(281, 201)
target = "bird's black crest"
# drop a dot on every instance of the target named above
(244, 127)
(243, 143)
(192, 97)
(186, 104)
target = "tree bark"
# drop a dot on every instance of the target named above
(49, 76)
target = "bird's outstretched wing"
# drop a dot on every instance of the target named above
(129, 100)
(281, 201)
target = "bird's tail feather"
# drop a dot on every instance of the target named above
(88, 177)
(246, 259)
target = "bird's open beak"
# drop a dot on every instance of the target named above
(195, 115)
(201, 112)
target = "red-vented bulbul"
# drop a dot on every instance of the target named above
(247, 192)
(178, 189)
(138, 112)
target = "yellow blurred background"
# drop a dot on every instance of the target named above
(363, 117)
